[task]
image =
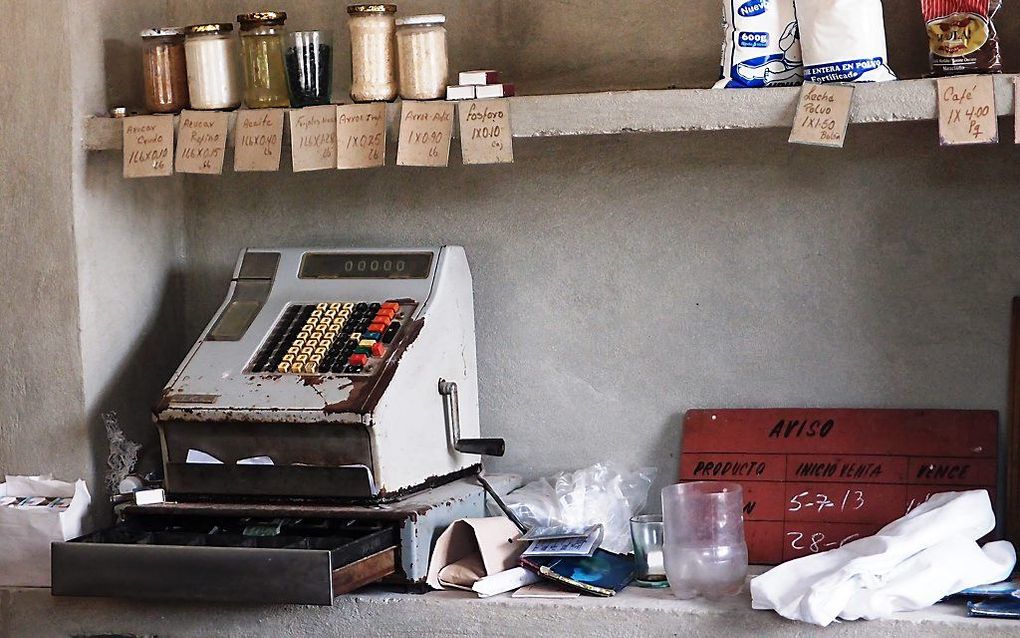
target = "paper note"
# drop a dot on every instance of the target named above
(485, 133)
(258, 140)
(361, 135)
(425, 132)
(823, 114)
(149, 146)
(313, 138)
(201, 142)
(967, 110)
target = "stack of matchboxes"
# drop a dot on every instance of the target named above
(479, 85)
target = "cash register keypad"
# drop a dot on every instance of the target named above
(342, 337)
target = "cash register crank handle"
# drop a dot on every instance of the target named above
(451, 406)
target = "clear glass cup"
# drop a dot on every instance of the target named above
(646, 532)
(704, 548)
(310, 67)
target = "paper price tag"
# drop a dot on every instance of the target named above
(425, 132)
(485, 133)
(313, 138)
(258, 140)
(148, 146)
(361, 135)
(201, 142)
(967, 110)
(823, 115)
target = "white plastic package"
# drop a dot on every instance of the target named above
(760, 44)
(600, 494)
(910, 564)
(843, 41)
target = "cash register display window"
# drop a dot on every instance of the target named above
(366, 266)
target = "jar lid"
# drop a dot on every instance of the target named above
(426, 20)
(162, 32)
(262, 18)
(358, 9)
(209, 29)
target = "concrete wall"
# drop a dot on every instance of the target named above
(41, 386)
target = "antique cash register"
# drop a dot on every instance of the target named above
(316, 437)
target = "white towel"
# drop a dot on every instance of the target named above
(910, 564)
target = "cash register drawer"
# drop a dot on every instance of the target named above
(301, 561)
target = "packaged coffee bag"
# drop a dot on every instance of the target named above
(843, 41)
(962, 37)
(760, 44)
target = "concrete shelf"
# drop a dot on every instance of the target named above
(618, 112)
(634, 612)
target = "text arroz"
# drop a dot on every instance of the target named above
(361, 135)
(148, 146)
(425, 132)
(967, 110)
(823, 115)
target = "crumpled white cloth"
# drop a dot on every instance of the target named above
(910, 564)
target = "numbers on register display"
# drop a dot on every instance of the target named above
(852, 500)
(362, 265)
(816, 542)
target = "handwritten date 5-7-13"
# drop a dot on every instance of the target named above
(851, 500)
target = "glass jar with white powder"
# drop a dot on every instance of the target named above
(373, 52)
(421, 51)
(214, 80)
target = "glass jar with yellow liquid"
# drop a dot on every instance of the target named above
(265, 76)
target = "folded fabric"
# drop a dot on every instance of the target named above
(909, 564)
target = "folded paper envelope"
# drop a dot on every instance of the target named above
(471, 549)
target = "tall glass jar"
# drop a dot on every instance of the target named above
(164, 70)
(373, 52)
(421, 49)
(310, 67)
(213, 77)
(265, 76)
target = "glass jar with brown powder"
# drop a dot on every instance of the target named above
(164, 69)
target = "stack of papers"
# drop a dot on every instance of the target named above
(559, 541)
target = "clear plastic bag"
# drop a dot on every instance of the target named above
(601, 494)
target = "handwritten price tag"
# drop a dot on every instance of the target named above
(967, 110)
(485, 133)
(361, 135)
(823, 115)
(258, 140)
(425, 132)
(201, 142)
(148, 146)
(313, 138)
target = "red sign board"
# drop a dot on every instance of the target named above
(815, 479)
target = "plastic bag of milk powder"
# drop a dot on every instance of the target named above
(843, 41)
(760, 44)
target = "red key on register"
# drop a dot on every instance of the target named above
(358, 360)
(378, 349)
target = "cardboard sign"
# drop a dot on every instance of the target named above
(361, 135)
(485, 133)
(425, 132)
(201, 142)
(967, 110)
(313, 138)
(815, 479)
(823, 114)
(149, 146)
(258, 140)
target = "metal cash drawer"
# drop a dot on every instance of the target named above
(306, 561)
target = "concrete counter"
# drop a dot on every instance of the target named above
(34, 613)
